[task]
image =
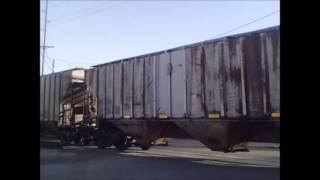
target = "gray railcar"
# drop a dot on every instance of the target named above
(221, 92)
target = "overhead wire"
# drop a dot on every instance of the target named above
(49, 66)
(73, 62)
(251, 22)
(77, 12)
(87, 14)
(55, 5)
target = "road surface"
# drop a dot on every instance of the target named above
(182, 159)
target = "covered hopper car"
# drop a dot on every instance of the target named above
(221, 92)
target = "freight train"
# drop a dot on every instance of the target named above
(222, 92)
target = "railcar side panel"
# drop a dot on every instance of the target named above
(117, 91)
(109, 91)
(127, 88)
(138, 88)
(178, 84)
(163, 85)
(150, 87)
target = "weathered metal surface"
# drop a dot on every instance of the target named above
(163, 84)
(150, 87)
(232, 79)
(271, 47)
(57, 97)
(42, 96)
(46, 98)
(117, 91)
(213, 78)
(65, 82)
(109, 91)
(52, 98)
(127, 88)
(178, 84)
(138, 88)
(91, 80)
(251, 48)
(101, 91)
(52, 89)
(194, 73)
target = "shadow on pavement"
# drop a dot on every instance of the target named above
(111, 164)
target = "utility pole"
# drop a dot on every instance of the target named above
(53, 65)
(44, 38)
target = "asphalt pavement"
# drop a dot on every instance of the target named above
(182, 159)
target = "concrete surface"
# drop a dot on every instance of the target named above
(182, 159)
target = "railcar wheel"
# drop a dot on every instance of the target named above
(120, 141)
(143, 147)
(85, 141)
(129, 142)
(100, 145)
(65, 138)
(102, 140)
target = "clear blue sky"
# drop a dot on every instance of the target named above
(87, 33)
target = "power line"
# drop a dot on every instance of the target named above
(77, 12)
(239, 27)
(73, 62)
(49, 58)
(55, 5)
(49, 66)
(93, 12)
(96, 10)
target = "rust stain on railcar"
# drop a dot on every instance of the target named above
(93, 81)
(163, 84)
(42, 96)
(195, 82)
(109, 91)
(52, 97)
(46, 98)
(272, 49)
(57, 97)
(127, 88)
(101, 90)
(150, 87)
(138, 90)
(117, 91)
(253, 75)
(232, 79)
(213, 56)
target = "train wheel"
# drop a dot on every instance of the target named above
(143, 147)
(120, 141)
(85, 141)
(102, 140)
(129, 142)
(101, 145)
(64, 138)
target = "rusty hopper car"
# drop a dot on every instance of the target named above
(221, 92)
